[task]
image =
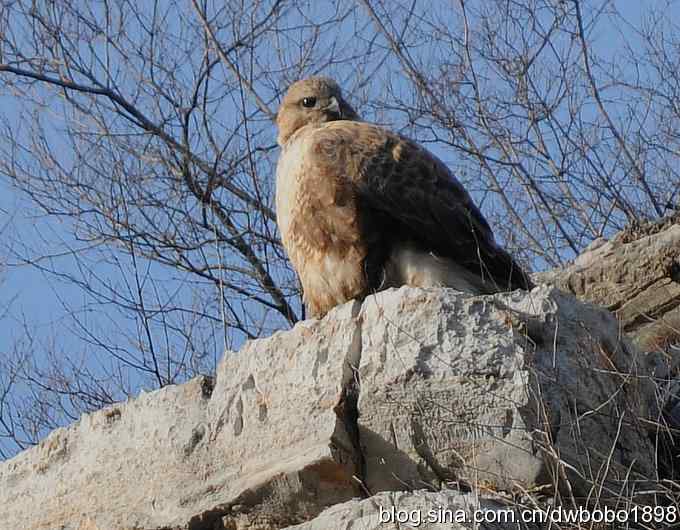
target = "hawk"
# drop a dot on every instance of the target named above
(361, 209)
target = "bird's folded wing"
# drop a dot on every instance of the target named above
(406, 193)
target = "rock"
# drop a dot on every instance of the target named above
(411, 389)
(426, 510)
(284, 416)
(637, 276)
(113, 469)
(506, 392)
(268, 442)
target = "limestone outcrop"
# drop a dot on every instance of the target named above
(426, 510)
(476, 399)
(636, 275)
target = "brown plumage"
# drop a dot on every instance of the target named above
(361, 209)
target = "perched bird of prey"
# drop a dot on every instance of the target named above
(361, 209)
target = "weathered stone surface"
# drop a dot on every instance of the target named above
(425, 510)
(269, 438)
(637, 276)
(283, 414)
(490, 390)
(412, 388)
(112, 469)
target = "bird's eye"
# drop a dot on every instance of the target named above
(308, 102)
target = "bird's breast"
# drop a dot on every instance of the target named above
(288, 176)
(320, 229)
(315, 204)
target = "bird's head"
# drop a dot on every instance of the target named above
(314, 100)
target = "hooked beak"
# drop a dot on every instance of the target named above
(333, 107)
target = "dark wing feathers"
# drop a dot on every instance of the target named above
(409, 194)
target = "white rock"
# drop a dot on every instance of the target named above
(413, 388)
(269, 438)
(425, 510)
(489, 390)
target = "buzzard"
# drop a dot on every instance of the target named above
(361, 209)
